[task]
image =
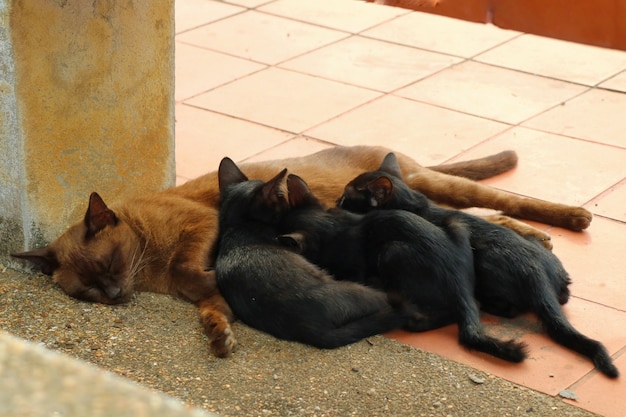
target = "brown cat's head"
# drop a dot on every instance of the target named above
(94, 260)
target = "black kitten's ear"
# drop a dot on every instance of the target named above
(299, 192)
(390, 165)
(98, 215)
(44, 258)
(294, 241)
(381, 189)
(229, 173)
(273, 190)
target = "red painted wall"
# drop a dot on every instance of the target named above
(593, 22)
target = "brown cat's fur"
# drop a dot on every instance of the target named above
(163, 242)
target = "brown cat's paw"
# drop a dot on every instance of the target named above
(522, 229)
(543, 238)
(224, 344)
(579, 219)
(547, 243)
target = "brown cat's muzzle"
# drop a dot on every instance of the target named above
(112, 295)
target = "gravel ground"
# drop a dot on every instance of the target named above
(157, 341)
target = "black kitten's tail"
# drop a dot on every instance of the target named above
(561, 330)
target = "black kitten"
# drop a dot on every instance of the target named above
(401, 253)
(513, 274)
(278, 291)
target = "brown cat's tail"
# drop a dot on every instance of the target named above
(481, 168)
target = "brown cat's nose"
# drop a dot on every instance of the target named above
(113, 292)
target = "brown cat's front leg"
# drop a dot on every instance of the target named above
(521, 229)
(463, 193)
(216, 316)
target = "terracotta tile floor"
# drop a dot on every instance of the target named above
(259, 79)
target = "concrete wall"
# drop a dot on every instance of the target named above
(87, 101)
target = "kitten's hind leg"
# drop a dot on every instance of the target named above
(216, 316)
(353, 312)
(418, 321)
(472, 336)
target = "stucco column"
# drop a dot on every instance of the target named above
(87, 104)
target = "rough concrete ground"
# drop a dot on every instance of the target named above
(157, 341)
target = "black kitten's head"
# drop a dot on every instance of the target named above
(243, 199)
(373, 189)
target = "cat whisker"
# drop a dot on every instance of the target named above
(138, 260)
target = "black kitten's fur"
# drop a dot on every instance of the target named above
(399, 252)
(513, 274)
(278, 291)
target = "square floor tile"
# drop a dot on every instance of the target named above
(554, 58)
(617, 82)
(298, 146)
(199, 70)
(550, 367)
(430, 134)
(190, 14)
(611, 203)
(591, 257)
(370, 63)
(203, 138)
(492, 92)
(591, 116)
(284, 99)
(554, 168)
(347, 15)
(249, 3)
(261, 37)
(441, 34)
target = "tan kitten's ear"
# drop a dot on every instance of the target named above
(299, 192)
(381, 189)
(229, 173)
(98, 215)
(44, 258)
(273, 190)
(390, 165)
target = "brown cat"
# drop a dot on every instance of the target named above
(162, 242)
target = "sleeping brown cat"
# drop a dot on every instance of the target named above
(162, 242)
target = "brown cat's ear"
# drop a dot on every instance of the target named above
(43, 257)
(98, 215)
(390, 165)
(229, 173)
(381, 189)
(299, 192)
(273, 190)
